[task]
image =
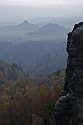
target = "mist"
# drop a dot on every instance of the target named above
(19, 13)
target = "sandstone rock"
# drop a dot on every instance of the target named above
(69, 108)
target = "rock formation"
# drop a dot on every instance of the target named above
(69, 107)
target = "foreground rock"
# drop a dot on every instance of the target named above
(69, 108)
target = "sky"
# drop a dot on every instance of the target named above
(41, 3)
(11, 10)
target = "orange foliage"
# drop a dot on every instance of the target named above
(22, 102)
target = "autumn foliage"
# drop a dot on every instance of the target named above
(23, 102)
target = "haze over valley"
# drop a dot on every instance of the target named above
(38, 46)
(33, 61)
(33, 35)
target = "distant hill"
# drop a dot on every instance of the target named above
(50, 29)
(65, 21)
(22, 26)
(26, 31)
(41, 52)
(10, 72)
(36, 56)
(50, 62)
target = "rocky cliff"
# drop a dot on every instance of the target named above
(69, 107)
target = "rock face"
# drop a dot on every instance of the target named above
(69, 107)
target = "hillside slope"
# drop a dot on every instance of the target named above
(22, 26)
(50, 29)
(36, 56)
(10, 72)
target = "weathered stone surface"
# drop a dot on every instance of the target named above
(69, 108)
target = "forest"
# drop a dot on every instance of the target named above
(28, 100)
(36, 48)
(32, 82)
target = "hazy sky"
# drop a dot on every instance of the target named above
(23, 9)
(41, 3)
